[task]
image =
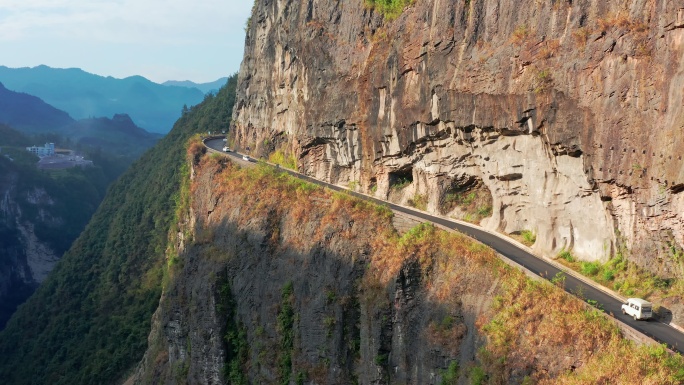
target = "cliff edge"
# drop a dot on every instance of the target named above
(273, 280)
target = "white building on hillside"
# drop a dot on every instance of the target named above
(48, 150)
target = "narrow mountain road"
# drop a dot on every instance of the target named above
(657, 330)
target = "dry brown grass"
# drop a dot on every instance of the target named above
(549, 49)
(642, 47)
(533, 321)
(613, 20)
(581, 36)
(277, 194)
(520, 34)
(547, 316)
(621, 20)
(195, 149)
(532, 326)
(622, 363)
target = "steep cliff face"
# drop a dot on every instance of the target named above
(278, 282)
(570, 113)
(272, 280)
(25, 258)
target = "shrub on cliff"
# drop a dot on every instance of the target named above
(389, 8)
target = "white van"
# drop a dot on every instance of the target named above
(638, 308)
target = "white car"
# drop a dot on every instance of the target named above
(225, 139)
(638, 308)
(226, 149)
(245, 158)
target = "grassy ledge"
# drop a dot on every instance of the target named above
(626, 278)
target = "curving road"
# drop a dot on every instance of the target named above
(658, 331)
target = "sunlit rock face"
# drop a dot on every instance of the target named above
(570, 115)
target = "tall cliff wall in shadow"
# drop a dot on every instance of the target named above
(569, 115)
(273, 280)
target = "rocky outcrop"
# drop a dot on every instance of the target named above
(25, 259)
(570, 113)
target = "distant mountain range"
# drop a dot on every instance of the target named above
(211, 87)
(153, 106)
(118, 135)
(32, 116)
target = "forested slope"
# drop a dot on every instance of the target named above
(88, 322)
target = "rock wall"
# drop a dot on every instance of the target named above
(570, 113)
(227, 296)
(272, 280)
(25, 259)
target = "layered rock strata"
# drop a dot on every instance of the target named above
(570, 113)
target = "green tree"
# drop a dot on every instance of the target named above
(88, 323)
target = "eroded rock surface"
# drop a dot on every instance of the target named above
(346, 326)
(570, 113)
(25, 258)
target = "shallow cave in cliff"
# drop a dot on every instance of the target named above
(470, 195)
(676, 189)
(401, 178)
(373, 184)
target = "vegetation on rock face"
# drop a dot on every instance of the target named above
(284, 159)
(54, 205)
(88, 323)
(526, 237)
(627, 278)
(286, 320)
(233, 336)
(474, 204)
(528, 324)
(389, 8)
(419, 201)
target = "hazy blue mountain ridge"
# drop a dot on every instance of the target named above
(118, 135)
(204, 87)
(30, 114)
(152, 106)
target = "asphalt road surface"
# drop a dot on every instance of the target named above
(657, 330)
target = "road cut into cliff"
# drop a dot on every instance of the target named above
(561, 119)
(274, 279)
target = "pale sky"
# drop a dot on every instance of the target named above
(198, 40)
